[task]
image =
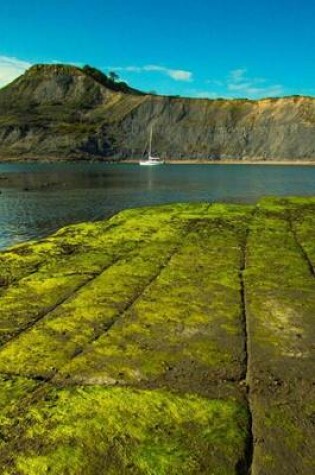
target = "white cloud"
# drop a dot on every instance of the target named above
(175, 74)
(239, 83)
(237, 75)
(214, 82)
(11, 68)
(179, 75)
(201, 94)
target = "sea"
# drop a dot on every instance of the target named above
(38, 198)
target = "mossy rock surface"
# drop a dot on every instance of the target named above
(164, 340)
(280, 302)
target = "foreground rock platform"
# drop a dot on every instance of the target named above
(176, 339)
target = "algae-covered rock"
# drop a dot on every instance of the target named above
(96, 430)
(164, 340)
(280, 290)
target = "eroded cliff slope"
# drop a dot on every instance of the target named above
(58, 111)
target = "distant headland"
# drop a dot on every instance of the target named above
(63, 112)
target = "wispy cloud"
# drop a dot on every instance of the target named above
(237, 75)
(175, 74)
(11, 68)
(239, 83)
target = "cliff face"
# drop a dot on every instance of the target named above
(57, 111)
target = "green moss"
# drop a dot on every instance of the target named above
(280, 307)
(179, 318)
(194, 292)
(278, 419)
(302, 214)
(67, 330)
(286, 432)
(279, 285)
(122, 430)
(42, 274)
(36, 295)
(152, 298)
(14, 391)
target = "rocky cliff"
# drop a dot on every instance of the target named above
(65, 112)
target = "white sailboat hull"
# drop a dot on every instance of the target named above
(151, 163)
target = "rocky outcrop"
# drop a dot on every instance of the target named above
(57, 111)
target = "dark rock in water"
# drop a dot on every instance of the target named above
(60, 111)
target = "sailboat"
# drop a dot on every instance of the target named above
(151, 160)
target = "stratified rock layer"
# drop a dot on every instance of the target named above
(58, 112)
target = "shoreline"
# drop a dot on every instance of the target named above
(237, 162)
(286, 162)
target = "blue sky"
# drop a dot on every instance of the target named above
(198, 48)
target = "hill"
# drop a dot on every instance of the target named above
(66, 112)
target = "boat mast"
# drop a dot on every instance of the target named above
(150, 145)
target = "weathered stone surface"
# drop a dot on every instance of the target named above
(149, 317)
(164, 340)
(280, 304)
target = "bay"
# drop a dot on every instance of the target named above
(38, 198)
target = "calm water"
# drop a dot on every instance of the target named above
(36, 199)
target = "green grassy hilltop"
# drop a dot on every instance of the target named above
(175, 339)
